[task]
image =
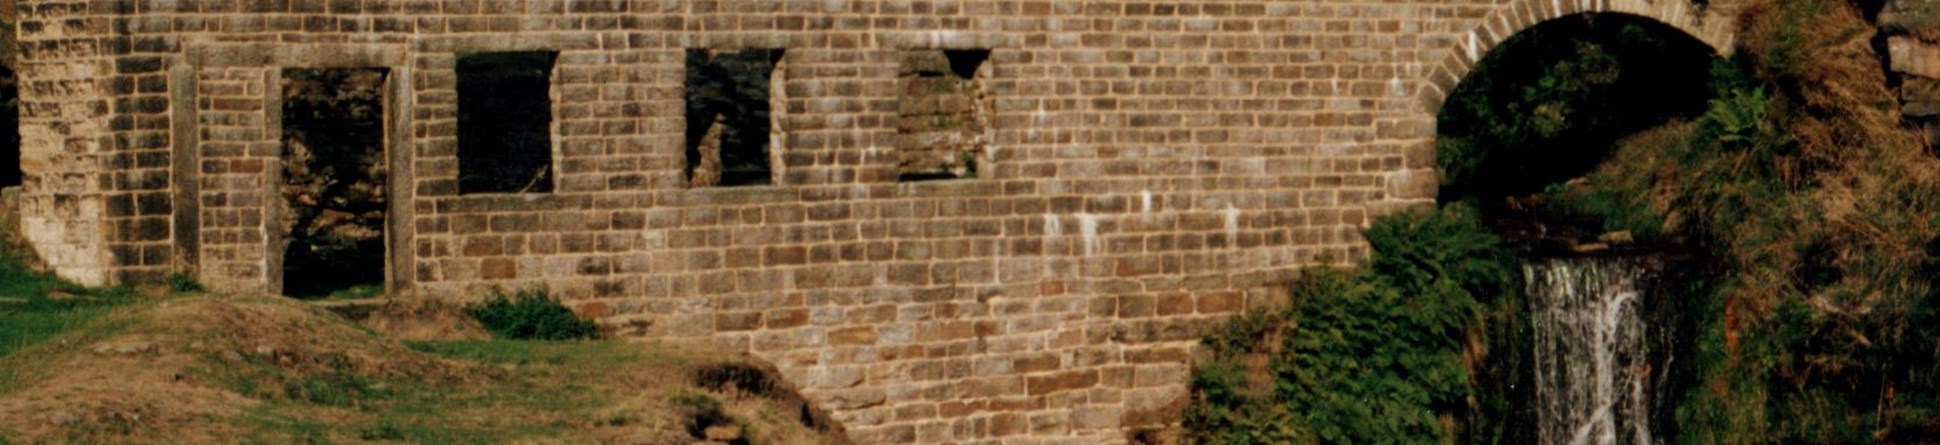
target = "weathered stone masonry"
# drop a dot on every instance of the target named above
(1146, 168)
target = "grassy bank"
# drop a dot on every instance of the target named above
(178, 365)
(195, 368)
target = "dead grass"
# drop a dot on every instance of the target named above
(262, 370)
(1821, 219)
(422, 319)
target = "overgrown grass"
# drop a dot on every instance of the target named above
(541, 392)
(36, 306)
(38, 319)
(1825, 216)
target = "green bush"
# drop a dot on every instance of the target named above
(1372, 355)
(182, 283)
(530, 315)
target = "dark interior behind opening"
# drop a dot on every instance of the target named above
(334, 181)
(729, 116)
(505, 122)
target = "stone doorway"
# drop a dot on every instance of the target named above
(335, 187)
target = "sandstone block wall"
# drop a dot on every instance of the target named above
(1147, 168)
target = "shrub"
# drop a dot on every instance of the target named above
(182, 283)
(1372, 355)
(529, 315)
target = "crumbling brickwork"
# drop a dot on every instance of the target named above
(1146, 169)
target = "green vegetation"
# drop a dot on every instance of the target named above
(39, 318)
(1814, 321)
(530, 315)
(35, 306)
(178, 282)
(1823, 214)
(1547, 104)
(1366, 356)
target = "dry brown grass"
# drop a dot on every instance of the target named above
(1820, 224)
(423, 319)
(262, 370)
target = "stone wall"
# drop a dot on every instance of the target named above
(1146, 169)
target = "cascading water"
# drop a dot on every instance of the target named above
(1593, 376)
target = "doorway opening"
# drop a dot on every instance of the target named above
(10, 174)
(334, 185)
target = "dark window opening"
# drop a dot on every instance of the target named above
(939, 121)
(729, 117)
(505, 122)
(334, 181)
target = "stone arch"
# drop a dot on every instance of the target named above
(1416, 184)
(1714, 24)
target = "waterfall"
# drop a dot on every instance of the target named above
(1591, 364)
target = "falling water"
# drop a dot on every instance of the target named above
(1592, 370)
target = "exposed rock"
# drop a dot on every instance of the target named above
(135, 348)
(125, 348)
(1589, 247)
(1911, 56)
(63, 418)
(1910, 15)
(722, 433)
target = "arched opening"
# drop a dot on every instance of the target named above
(1590, 349)
(1552, 101)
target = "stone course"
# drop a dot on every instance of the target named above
(1146, 169)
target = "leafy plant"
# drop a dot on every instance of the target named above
(530, 315)
(1362, 356)
(1740, 116)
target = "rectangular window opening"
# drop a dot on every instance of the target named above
(729, 116)
(940, 118)
(334, 182)
(505, 122)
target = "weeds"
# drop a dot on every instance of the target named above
(181, 283)
(530, 315)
